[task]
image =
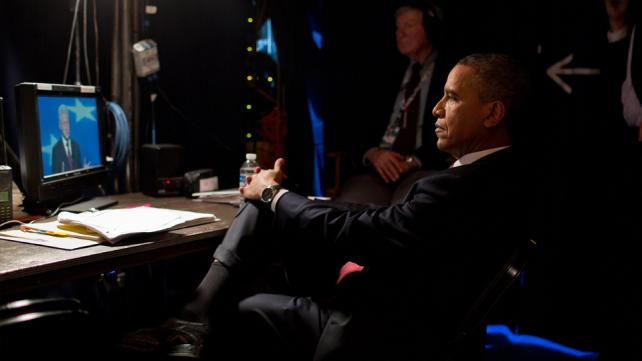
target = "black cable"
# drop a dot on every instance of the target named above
(84, 39)
(55, 212)
(4, 138)
(153, 95)
(97, 49)
(71, 38)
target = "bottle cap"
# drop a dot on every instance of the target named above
(250, 156)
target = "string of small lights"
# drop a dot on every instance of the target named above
(250, 116)
(261, 69)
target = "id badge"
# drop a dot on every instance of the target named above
(391, 135)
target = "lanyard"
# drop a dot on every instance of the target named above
(405, 103)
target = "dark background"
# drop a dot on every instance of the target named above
(585, 201)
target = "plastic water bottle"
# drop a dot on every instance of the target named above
(247, 168)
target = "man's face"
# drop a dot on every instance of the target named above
(460, 114)
(63, 124)
(410, 34)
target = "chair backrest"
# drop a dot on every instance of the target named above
(491, 295)
(44, 326)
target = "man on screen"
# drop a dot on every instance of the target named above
(66, 152)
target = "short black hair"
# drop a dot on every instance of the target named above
(501, 77)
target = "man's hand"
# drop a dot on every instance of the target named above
(389, 164)
(263, 178)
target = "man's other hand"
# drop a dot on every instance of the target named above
(389, 165)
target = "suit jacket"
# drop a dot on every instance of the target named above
(426, 260)
(59, 157)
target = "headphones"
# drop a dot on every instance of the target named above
(432, 18)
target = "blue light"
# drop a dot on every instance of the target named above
(319, 152)
(265, 42)
(315, 29)
(317, 38)
(537, 341)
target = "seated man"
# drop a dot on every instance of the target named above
(407, 150)
(425, 260)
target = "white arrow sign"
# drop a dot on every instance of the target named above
(555, 70)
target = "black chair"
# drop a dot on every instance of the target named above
(488, 299)
(502, 344)
(50, 327)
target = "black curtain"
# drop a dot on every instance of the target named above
(25, 48)
(297, 63)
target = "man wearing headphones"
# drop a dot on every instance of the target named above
(407, 149)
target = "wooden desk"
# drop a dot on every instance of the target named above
(26, 266)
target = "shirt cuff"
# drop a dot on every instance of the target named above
(417, 162)
(364, 159)
(276, 198)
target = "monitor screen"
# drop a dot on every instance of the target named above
(69, 137)
(61, 140)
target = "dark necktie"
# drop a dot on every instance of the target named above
(407, 136)
(70, 162)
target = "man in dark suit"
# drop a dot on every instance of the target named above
(407, 149)
(423, 261)
(66, 152)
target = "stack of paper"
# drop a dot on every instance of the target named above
(116, 224)
(73, 231)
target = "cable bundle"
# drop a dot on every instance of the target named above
(121, 139)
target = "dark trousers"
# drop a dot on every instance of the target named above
(311, 318)
(284, 326)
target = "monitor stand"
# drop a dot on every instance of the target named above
(94, 203)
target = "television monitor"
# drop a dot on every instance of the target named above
(62, 142)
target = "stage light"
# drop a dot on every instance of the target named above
(248, 106)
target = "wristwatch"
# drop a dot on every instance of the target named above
(268, 193)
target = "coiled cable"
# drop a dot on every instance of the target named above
(121, 138)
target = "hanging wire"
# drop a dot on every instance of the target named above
(71, 38)
(84, 39)
(97, 49)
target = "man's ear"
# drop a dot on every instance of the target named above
(496, 113)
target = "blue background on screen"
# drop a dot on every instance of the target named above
(83, 120)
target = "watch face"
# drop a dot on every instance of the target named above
(267, 194)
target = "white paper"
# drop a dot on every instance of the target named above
(115, 224)
(68, 243)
